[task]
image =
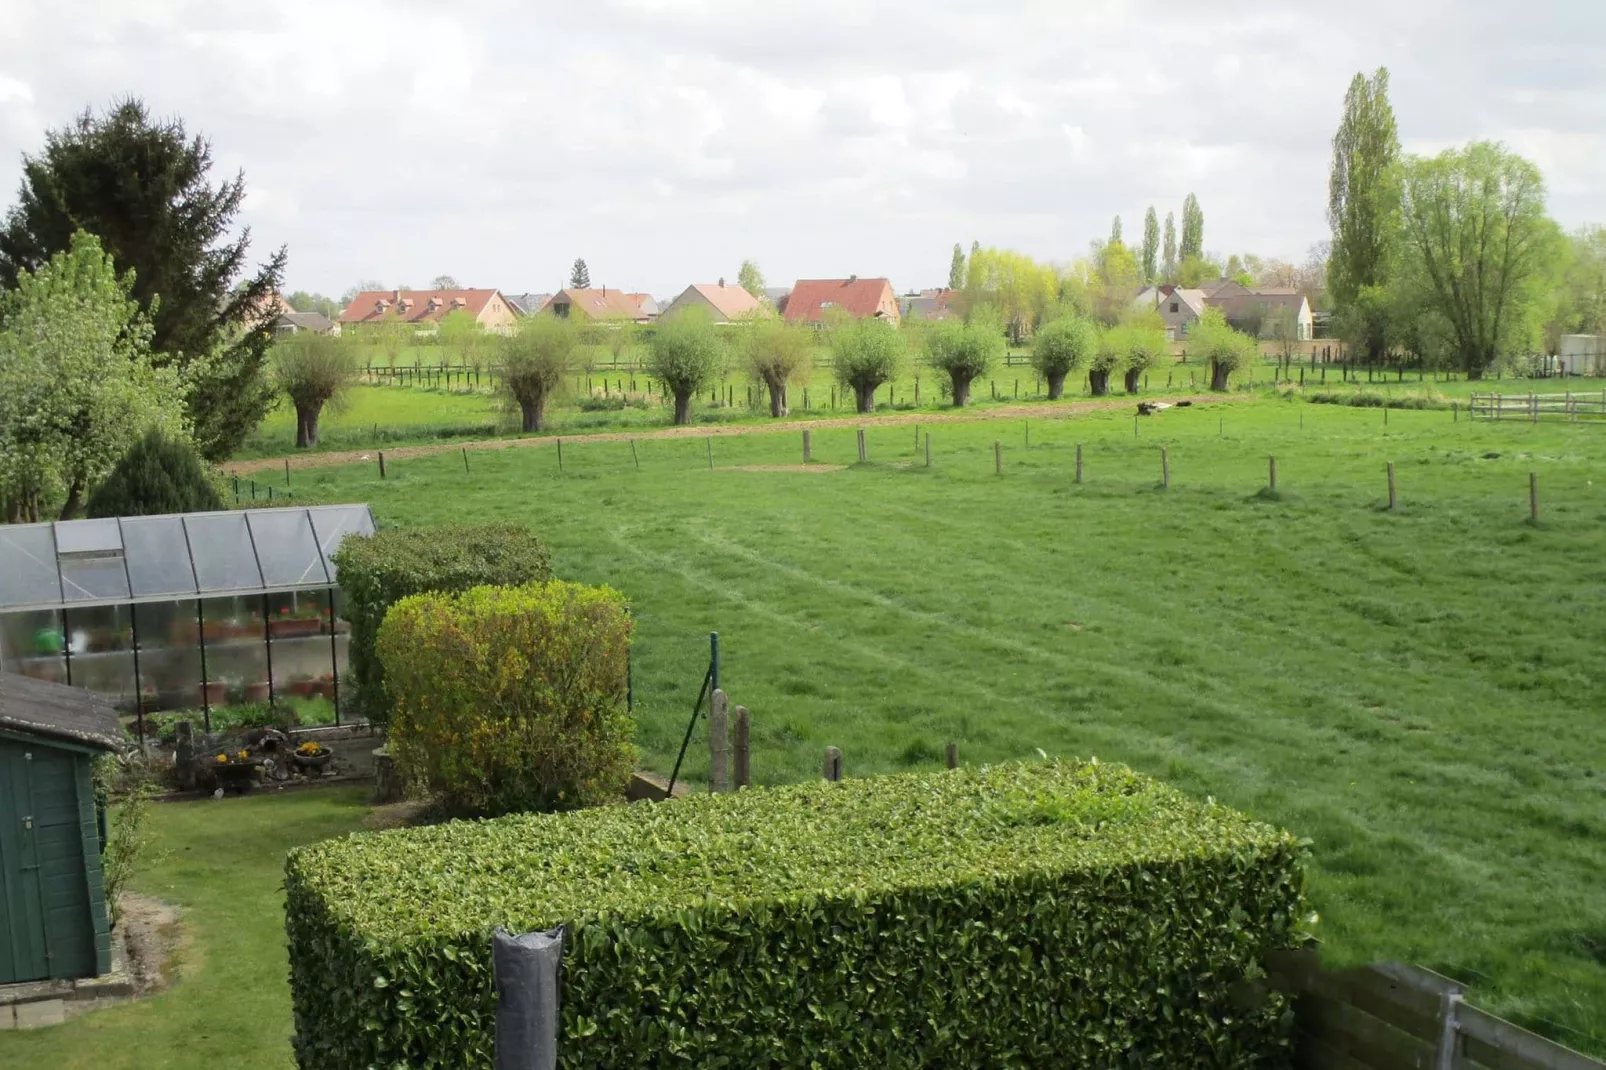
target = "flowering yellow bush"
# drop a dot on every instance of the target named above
(511, 698)
(309, 749)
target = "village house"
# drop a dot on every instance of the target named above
(426, 308)
(598, 305)
(726, 303)
(814, 300)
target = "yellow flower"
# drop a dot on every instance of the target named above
(222, 757)
(244, 754)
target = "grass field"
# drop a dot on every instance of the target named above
(223, 863)
(1419, 692)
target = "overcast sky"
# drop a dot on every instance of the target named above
(665, 140)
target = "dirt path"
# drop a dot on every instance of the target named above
(1048, 410)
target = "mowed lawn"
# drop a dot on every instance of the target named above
(222, 862)
(1421, 693)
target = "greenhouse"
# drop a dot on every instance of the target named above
(208, 612)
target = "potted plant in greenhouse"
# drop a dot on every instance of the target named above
(303, 685)
(214, 693)
(256, 691)
(326, 686)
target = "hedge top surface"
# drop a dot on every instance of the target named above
(815, 841)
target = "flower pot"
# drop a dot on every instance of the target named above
(294, 627)
(304, 688)
(256, 692)
(214, 693)
(312, 764)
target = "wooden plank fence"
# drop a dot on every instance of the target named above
(1391, 1017)
(1570, 406)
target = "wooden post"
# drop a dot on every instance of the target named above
(1533, 496)
(863, 456)
(833, 764)
(808, 449)
(742, 753)
(917, 437)
(1385, 416)
(560, 454)
(1392, 500)
(381, 466)
(287, 471)
(953, 755)
(633, 455)
(1533, 408)
(1165, 468)
(1028, 424)
(1272, 472)
(1455, 412)
(1079, 462)
(465, 460)
(928, 449)
(998, 458)
(710, 441)
(719, 772)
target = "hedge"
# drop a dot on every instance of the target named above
(379, 571)
(511, 698)
(1056, 914)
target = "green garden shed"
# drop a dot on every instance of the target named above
(53, 922)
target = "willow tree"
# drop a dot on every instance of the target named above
(865, 353)
(535, 358)
(1214, 341)
(687, 353)
(964, 351)
(775, 351)
(1060, 347)
(314, 371)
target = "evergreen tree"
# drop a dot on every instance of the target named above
(141, 186)
(1192, 229)
(158, 475)
(579, 275)
(1151, 245)
(956, 268)
(1168, 266)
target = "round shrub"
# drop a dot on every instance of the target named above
(511, 698)
(158, 475)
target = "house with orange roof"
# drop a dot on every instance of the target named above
(815, 300)
(426, 308)
(596, 305)
(726, 303)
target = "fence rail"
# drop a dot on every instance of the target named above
(1391, 1016)
(1570, 406)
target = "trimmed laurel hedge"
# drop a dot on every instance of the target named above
(1059, 914)
(511, 698)
(379, 571)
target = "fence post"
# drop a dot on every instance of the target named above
(1028, 424)
(287, 471)
(742, 755)
(863, 456)
(381, 470)
(928, 449)
(953, 755)
(1385, 416)
(998, 458)
(560, 454)
(1392, 499)
(465, 460)
(1533, 496)
(1272, 471)
(833, 764)
(808, 451)
(1455, 412)
(1079, 462)
(719, 772)
(710, 441)
(1444, 1050)
(1165, 468)
(633, 457)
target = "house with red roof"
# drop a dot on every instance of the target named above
(814, 300)
(426, 308)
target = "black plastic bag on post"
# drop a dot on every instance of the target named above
(528, 973)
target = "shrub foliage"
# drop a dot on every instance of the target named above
(1056, 914)
(157, 475)
(511, 698)
(379, 571)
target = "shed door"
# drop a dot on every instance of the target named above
(44, 902)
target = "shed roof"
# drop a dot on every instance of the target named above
(72, 714)
(69, 564)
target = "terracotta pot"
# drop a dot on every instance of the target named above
(304, 688)
(214, 693)
(294, 627)
(257, 692)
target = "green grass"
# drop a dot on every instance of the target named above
(1418, 691)
(223, 863)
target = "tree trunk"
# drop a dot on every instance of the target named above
(1056, 385)
(75, 499)
(682, 407)
(864, 394)
(961, 389)
(777, 392)
(1132, 375)
(1098, 383)
(533, 412)
(1218, 375)
(307, 425)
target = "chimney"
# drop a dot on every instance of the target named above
(396, 296)
(722, 282)
(853, 278)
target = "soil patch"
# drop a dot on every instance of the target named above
(152, 937)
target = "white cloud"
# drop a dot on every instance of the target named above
(665, 140)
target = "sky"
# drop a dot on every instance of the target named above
(666, 140)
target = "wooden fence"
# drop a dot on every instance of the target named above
(1391, 1017)
(1570, 406)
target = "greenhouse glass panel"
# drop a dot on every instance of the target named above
(28, 566)
(93, 577)
(158, 556)
(101, 536)
(287, 548)
(332, 523)
(220, 546)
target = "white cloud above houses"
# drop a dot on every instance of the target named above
(666, 140)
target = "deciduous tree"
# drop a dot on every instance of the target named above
(775, 351)
(1019, 288)
(1151, 247)
(1060, 347)
(1168, 250)
(956, 268)
(1145, 344)
(313, 371)
(750, 278)
(535, 358)
(1363, 209)
(143, 188)
(964, 351)
(1478, 249)
(1192, 229)
(865, 353)
(444, 282)
(1213, 341)
(687, 353)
